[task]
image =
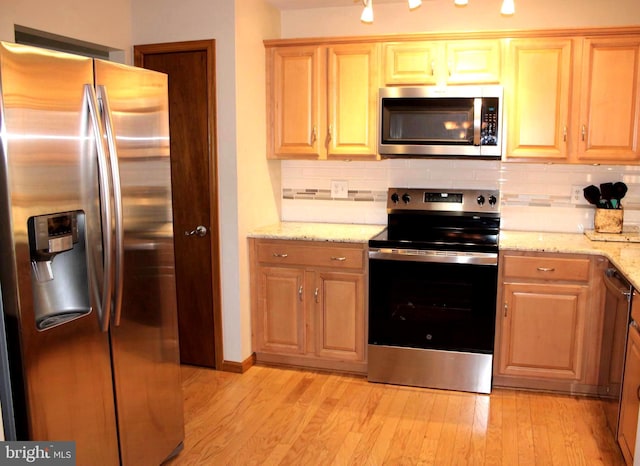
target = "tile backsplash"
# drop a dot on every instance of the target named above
(534, 197)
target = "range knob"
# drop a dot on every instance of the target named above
(480, 199)
(492, 200)
(395, 198)
(406, 198)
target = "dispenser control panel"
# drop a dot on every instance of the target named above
(55, 232)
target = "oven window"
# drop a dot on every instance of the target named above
(427, 121)
(432, 305)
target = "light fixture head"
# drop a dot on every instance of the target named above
(460, 2)
(367, 13)
(508, 8)
(414, 4)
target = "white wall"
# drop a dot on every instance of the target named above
(103, 23)
(258, 180)
(443, 15)
(248, 187)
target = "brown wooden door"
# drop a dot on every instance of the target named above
(190, 67)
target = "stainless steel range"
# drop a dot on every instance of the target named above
(432, 289)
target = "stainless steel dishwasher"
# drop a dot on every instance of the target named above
(617, 309)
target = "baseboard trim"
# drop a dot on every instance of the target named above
(239, 367)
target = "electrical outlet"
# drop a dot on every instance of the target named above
(339, 189)
(577, 195)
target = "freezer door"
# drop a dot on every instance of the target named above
(61, 376)
(144, 339)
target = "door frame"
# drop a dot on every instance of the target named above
(209, 47)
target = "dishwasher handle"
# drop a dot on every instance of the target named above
(616, 284)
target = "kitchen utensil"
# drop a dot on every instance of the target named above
(606, 192)
(592, 194)
(619, 190)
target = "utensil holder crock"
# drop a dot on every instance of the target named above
(608, 220)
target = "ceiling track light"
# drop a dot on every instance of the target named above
(508, 8)
(367, 13)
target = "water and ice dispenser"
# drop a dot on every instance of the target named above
(59, 273)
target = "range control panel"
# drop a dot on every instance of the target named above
(454, 200)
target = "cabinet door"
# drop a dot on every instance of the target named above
(295, 95)
(410, 63)
(280, 315)
(630, 397)
(537, 98)
(609, 124)
(352, 100)
(473, 61)
(340, 316)
(543, 330)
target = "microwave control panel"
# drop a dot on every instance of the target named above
(489, 130)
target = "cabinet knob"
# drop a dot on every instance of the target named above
(316, 294)
(300, 293)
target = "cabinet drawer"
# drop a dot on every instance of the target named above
(546, 268)
(283, 253)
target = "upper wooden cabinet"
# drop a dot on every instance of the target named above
(537, 97)
(321, 101)
(609, 124)
(573, 99)
(442, 62)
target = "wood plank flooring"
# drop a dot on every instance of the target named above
(275, 416)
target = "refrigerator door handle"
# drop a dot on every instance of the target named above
(103, 99)
(105, 207)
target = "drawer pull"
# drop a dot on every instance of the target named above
(638, 392)
(283, 255)
(546, 269)
(339, 259)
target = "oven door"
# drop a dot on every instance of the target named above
(433, 300)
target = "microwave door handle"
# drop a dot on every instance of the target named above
(477, 120)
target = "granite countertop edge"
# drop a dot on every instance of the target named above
(624, 255)
(312, 231)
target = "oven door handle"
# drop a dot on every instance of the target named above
(443, 257)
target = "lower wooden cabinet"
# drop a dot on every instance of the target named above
(308, 304)
(549, 322)
(630, 402)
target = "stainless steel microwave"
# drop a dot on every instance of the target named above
(451, 122)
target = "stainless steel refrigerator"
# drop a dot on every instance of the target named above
(86, 257)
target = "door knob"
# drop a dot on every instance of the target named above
(200, 230)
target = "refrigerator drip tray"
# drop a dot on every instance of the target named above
(52, 320)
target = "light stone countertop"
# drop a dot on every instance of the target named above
(624, 255)
(331, 232)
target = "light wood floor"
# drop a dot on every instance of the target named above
(290, 417)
